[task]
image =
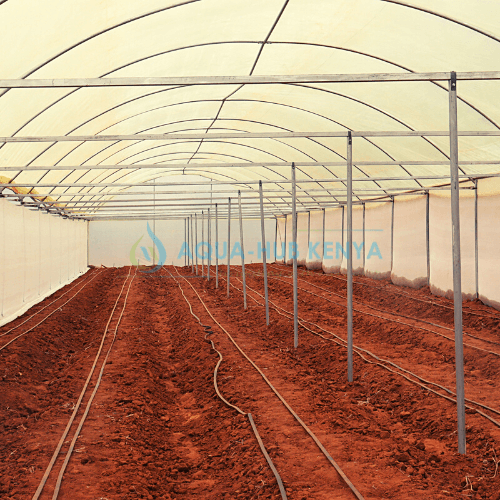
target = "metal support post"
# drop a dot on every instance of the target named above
(364, 237)
(209, 247)
(427, 238)
(457, 268)
(192, 245)
(343, 226)
(264, 250)
(216, 248)
(242, 254)
(202, 244)
(392, 234)
(186, 239)
(196, 240)
(228, 246)
(284, 253)
(275, 237)
(349, 260)
(323, 239)
(308, 236)
(476, 231)
(294, 256)
(154, 219)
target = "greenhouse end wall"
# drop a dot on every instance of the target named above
(125, 243)
(39, 253)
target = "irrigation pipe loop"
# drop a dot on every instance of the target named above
(341, 473)
(209, 331)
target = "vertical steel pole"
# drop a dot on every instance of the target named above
(264, 250)
(242, 254)
(185, 237)
(284, 253)
(196, 240)
(427, 237)
(476, 231)
(308, 235)
(349, 259)
(216, 248)
(192, 244)
(323, 239)
(343, 225)
(209, 246)
(275, 237)
(457, 267)
(364, 238)
(228, 245)
(294, 256)
(154, 218)
(392, 234)
(202, 244)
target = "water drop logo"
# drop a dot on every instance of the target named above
(148, 253)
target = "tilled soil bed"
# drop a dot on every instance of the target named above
(156, 428)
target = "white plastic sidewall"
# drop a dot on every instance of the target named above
(32, 254)
(378, 221)
(440, 244)
(302, 237)
(280, 240)
(358, 245)
(314, 257)
(489, 242)
(332, 257)
(409, 260)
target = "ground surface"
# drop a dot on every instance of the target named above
(156, 428)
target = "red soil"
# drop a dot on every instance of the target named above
(158, 430)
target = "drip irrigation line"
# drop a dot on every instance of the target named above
(380, 359)
(267, 457)
(392, 313)
(401, 293)
(80, 398)
(405, 294)
(92, 396)
(208, 330)
(48, 315)
(45, 307)
(354, 490)
(288, 315)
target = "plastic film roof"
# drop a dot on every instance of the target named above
(111, 38)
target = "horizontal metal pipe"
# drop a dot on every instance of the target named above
(195, 207)
(238, 80)
(247, 183)
(195, 166)
(284, 195)
(277, 211)
(236, 135)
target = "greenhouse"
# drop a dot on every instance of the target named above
(250, 250)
